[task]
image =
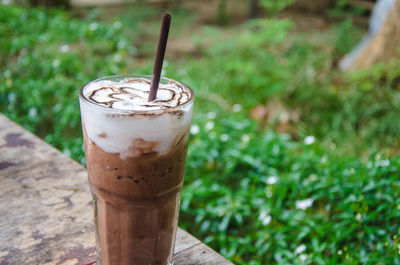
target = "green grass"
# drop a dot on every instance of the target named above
(327, 191)
(246, 195)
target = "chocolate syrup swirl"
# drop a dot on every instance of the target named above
(132, 94)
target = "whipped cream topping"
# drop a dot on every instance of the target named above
(118, 128)
(132, 94)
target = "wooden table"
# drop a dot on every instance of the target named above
(46, 215)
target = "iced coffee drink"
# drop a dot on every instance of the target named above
(135, 153)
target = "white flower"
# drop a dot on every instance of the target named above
(117, 24)
(209, 125)
(309, 140)
(264, 217)
(383, 163)
(237, 108)
(245, 138)
(340, 252)
(211, 115)
(121, 44)
(266, 220)
(358, 217)
(194, 129)
(263, 213)
(117, 58)
(369, 164)
(64, 48)
(304, 204)
(32, 112)
(12, 97)
(224, 137)
(312, 177)
(300, 249)
(93, 26)
(56, 63)
(272, 180)
(303, 257)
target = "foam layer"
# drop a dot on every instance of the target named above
(122, 121)
(132, 94)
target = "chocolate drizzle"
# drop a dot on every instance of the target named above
(132, 94)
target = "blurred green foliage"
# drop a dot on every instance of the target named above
(345, 8)
(45, 57)
(274, 7)
(260, 198)
(327, 193)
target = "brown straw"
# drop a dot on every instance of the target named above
(162, 45)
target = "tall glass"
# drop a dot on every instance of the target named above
(135, 163)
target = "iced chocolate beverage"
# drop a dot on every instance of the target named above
(135, 152)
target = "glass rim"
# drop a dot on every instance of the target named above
(162, 78)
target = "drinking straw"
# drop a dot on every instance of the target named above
(162, 45)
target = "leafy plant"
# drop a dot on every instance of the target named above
(262, 198)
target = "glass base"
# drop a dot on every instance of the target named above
(132, 231)
(99, 263)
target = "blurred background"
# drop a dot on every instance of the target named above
(294, 148)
